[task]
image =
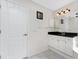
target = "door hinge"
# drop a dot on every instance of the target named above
(0, 6)
(0, 31)
(25, 34)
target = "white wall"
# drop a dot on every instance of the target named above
(51, 24)
(47, 15)
(71, 25)
(33, 7)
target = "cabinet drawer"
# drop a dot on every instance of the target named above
(69, 44)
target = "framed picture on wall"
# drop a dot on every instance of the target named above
(39, 15)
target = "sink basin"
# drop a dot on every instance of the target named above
(62, 33)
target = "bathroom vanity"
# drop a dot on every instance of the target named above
(62, 41)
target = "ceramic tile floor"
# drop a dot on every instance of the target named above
(48, 55)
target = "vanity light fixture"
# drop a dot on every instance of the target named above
(63, 12)
(58, 13)
(67, 10)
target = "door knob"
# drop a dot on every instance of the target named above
(0, 32)
(25, 34)
(0, 6)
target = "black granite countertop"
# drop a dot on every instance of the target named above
(65, 34)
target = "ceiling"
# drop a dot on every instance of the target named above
(53, 4)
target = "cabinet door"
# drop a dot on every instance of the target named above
(69, 46)
(53, 42)
(61, 43)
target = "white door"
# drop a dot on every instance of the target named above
(14, 31)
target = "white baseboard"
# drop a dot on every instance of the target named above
(43, 50)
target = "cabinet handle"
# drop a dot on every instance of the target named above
(0, 31)
(0, 6)
(25, 34)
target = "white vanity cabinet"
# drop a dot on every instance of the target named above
(60, 43)
(57, 42)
